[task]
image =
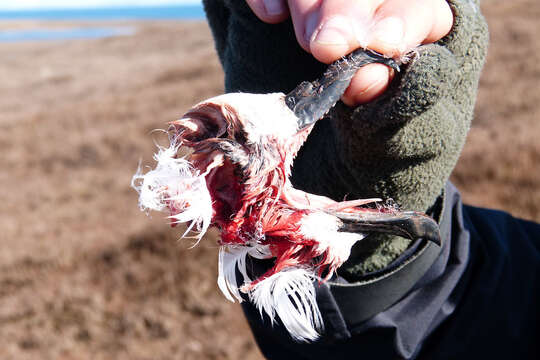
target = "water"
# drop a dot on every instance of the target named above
(192, 12)
(179, 12)
(64, 34)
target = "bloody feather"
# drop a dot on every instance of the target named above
(236, 178)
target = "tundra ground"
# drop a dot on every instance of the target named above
(84, 274)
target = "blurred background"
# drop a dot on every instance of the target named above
(83, 273)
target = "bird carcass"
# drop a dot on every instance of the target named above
(236, 178)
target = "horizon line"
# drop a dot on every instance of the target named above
(101, 6)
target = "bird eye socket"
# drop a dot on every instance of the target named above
(197, 126)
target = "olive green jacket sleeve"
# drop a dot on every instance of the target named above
(403, 145)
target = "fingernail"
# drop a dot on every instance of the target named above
(372, 86)
(336, 31)
(274, 7)
(356, 99)
(312, 21)
(362, 31)
(390, 31)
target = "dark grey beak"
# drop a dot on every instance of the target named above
(409, 224)
(310, 101)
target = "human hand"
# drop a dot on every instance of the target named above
(331, 29)
(403, 144)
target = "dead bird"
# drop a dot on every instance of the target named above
(236, 178)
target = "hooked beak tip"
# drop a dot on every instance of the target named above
(418, 226)
(409, 224)
(430, 231)
(393, 64)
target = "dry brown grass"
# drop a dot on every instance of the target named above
(500, 165)
(84, 274)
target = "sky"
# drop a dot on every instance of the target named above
(48, 4)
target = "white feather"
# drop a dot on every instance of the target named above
(268, 114)
(260, 252)
(232, 257)
(290, 295)
(174, 183)
(323, 228)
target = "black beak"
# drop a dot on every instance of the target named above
(408, 224)
(310, 101)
